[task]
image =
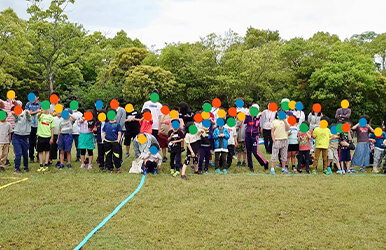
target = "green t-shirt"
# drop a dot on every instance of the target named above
(45, 123)
(322, 137)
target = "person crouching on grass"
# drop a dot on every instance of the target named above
(65, 138)
(112, 133)
(152, 159)
(192, 145)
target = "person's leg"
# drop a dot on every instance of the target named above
(3, 157)
(249, 147)
(266, 139)
(24, 149)
(32, 143)
(117, 160)
(186, 163)
(255, 150)
(76, 140)
(207, 157)
(177, 164)
(217, 160)
(229, 159)
(307, 160)
(172, 158)
(101, 156)
(275, 152)
(47, 157)
(61, 157)
(18, 151)
(109, 155)
(82, 156)
(90, 154)
(301, 160)
(223, 157)
(201, 160)
(377, 159)
(324, 154)
(316, 158)
(283, 152)
(270, 142)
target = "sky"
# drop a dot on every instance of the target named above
(158, 22)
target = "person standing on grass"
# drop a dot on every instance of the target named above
(76, 131)
(121, 119)
(361, 157)
(45, 133)
(99, 138)
(345, 139)
(304, 149)
(192, 146)
(206, 147)
(163, 135)
(322, 138)
(267, 118)
(252, 140)
(379, 151)
(293, 146)
(342, 115)
(54, 145)
(86, 142)
(132, 127)
(175, 137)
(232, 143)
(64, 140)
(5, 139)
(20, 138)
(112, 133)
(146, 126)
(333, 156)
(279, 133)
(34, 108)
(155, 109)
(220, 137)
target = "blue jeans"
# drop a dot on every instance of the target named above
(21, 146)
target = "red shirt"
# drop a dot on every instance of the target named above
(304, 142)
(146, 127)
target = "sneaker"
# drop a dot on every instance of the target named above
(127, 155)
(326, 172)
(145, 171)
(218, 171)
(285, 171)
(192, 167)
(119, 171)
(206, 170)
(329, 170)
(266, 166)
(77, 159)
(172, 171)
(244, 164)
(343, 172)
(376, 170)
(177, 173)
(308, 171)
(82, 165)
(313, 171)
(299, 170)
(26, 170)
(362, 170)
(295, 170)
(45, 169)
(7, 163)
(199, 172)
(278, 165)
(49, 164)
(184, 177)
(238, 163)
(111, 172)
(69, 165)
(89, 167)
(272, 171)
(349, 171)
(195, 172)
(57, 164)
(224, 171)
(252, 170)
(155, 171)
(18, 171)
(61, 166)
(2, 169)
(31, 161)
(165, 159)
(339, 172)
(40, 168)
(353, 170)
(211, 163)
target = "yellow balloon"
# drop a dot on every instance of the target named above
(205, 115)
(102, 117)
(378, 132)
(221, 113)
(174, 114)
(142, 139)
(344, 104)
(292, 104)
(129, 108)
(58, 108)
(241, 116)
(11, 94)
(323, 124)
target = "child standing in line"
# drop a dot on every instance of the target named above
(205, 149)
(86, 141)
(220, 136)
(64, 140)
(5, 139)
(279, 133)
(112, 132)
(76, 131)
(333, 157)
(361, 157)
(99, 138)
(54, 145)
(45, 135)
(20, 138)
(146, 126)
(132, 127)
(322, 138)
(304, 149)
(232, 143)
(344, 151)
(240, 148)
(151, 161)
(192, 145)
(175, 137)
(379, 151)
(293, 145)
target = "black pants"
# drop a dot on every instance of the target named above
(75, 138)
(32, 143)
(267, 140)
(112, 155)
(54, 149)
(304, 158)
(231, 151)
(175, 161)
(101, 156)
(151, 165)
(155, 133)
(220, 156)
(204, 154)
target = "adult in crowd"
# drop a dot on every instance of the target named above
(155, 109)
(342, 115)
(314, 119)
(185, 112)
(121, 118)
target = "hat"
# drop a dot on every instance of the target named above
(69, 110)
(256, 106)
(284, 100)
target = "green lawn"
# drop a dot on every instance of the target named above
(57, 209)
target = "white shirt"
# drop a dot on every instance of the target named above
(76, 125)
(232, 133)
(155, 109)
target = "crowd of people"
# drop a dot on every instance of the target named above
(157, 132)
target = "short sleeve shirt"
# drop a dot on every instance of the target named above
(280, 133)
(46, 122)
(322, 137)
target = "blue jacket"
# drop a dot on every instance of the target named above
(224, 139)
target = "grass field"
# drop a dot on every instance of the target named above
(57, 209)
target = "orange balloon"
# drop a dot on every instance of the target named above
(114, 104)
(291, 120)
(317, 107)
(147, 116)
(346, 127)
(88, 115)
(216, 103)
(165, 110)
(18, 110)
(272, 106)
(198, 118)
(232, 111)
(54, 99)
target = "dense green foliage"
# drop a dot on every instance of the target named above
(48, 52)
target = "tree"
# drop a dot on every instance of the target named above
(378, 49)
(363, 38)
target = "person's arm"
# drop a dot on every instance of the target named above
(60, 131)
(226, 134)
(355, 126)
(347, 115)
(287, 126)
(215, 134)
(190, 149)
(119, 136)
(73, 117)
(273, 134)
(337, 114)
(370, 128)
(52, 136)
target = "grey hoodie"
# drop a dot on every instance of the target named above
(143, 148)
(22, 124)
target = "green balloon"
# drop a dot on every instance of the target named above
(193, 129)
(304, 128)
(3, 115)
(285, 106)
(231, 122)
(111, 115)
(253, 111)
(207, 107)
(74, 105)
(46, 105)
(154, 97)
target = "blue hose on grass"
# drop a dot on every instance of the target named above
(111, 215)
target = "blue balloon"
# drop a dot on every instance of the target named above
(99, 104)
(206, 123)
(220, 122)
(176, 124)
(65, 114)
(299, 106)
(363, 122)
(153, 150)
(282, 115)
(31, 97)
(239, 103)
(333, 130)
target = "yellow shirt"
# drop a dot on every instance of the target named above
(322, 137)
(280, 133)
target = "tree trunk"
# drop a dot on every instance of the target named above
(50, 82)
